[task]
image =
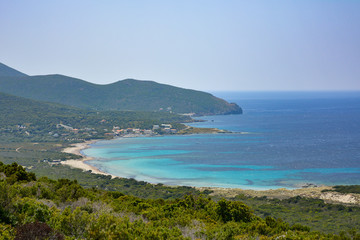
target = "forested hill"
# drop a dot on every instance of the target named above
(127, 94)
(22, 118)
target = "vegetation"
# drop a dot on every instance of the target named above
(345, 189)
(62, 209)
(321, 216)
(128, 94)
(194, 130)
(23, 119)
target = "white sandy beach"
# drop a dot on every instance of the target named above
(81, 163)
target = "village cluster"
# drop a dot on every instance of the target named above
(117, 131)
(157, 129)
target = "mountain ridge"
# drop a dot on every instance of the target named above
(10, 72)
(128, 94)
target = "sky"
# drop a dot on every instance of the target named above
(207, 45)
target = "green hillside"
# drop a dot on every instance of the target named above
(22, 118)
(6, 71)
(148, 95)
(127, 94)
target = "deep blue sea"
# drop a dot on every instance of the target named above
(283, 139)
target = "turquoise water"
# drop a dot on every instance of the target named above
(281, 140)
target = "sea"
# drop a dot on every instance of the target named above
(282, 140)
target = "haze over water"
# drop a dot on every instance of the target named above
(281, 140)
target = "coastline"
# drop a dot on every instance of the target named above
(81, 163)
(280, 193)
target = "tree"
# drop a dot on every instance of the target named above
(233, 211)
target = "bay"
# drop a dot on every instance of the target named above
(282, 140)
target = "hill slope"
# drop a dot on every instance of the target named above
(128, 94)
(29, 119)
(6, 71)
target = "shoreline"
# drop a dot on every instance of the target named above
(279, 193)
(81, 163)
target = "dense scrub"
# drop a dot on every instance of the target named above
(316, 213)
(62, 209)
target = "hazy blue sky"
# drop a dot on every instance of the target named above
(204, 45)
